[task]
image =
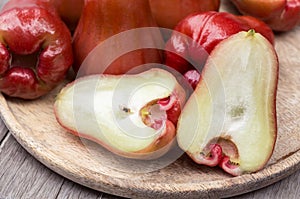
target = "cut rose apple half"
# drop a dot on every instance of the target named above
(127, 114)
(230, 119)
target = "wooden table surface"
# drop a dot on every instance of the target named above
(22, 176)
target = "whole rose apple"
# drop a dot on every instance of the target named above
(280, 15)
(168, 13)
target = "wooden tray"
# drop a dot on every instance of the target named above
(34, 126)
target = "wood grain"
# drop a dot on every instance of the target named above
(2, 2)
(288, 188)
(61, 188)
(22, 176)
(3, 130)
(34, 126)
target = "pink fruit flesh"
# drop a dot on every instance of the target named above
(230, 167)
(220, 151)
(156, 113)
(152, 116)
(212, 157)
(167, 103)
(173, 106)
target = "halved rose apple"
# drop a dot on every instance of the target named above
(230, 119)
(127, 114)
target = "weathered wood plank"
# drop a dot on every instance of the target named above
(2, 2)
(21, 176)
(70, 190)
(73, 190)
(288, 188)
(3, 130)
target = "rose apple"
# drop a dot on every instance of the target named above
(196, 36)
(130, 115)
(168, 13)
(103, 19)
(35, 49)
(280, 15)
(230, 119)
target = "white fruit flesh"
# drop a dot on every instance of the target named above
(235, 100)
(115, 117)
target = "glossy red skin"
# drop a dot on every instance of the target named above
(46, 4)
(205, 31)
(69, 11)
(102, 19)
(173, 113)
(289, 18)
(282, 17)
(27, 28)
(168, 13)
(262, 9)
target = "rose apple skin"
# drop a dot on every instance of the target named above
(30, 31)
(128, 106)
(45, 4)
(289, 18)
(204, 31)
(168, 13)
(262, 9)
(280, 15)
(102, 19)
(69, 11)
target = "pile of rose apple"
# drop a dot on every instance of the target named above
(229, 117)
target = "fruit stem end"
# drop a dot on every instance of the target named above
(251, 33)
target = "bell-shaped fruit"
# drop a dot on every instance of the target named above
(131, 115)
(230, 119)
(196, 36)
(103, 19)
(280, 15)
(168, 13)
(68, 10)
(35, 45)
